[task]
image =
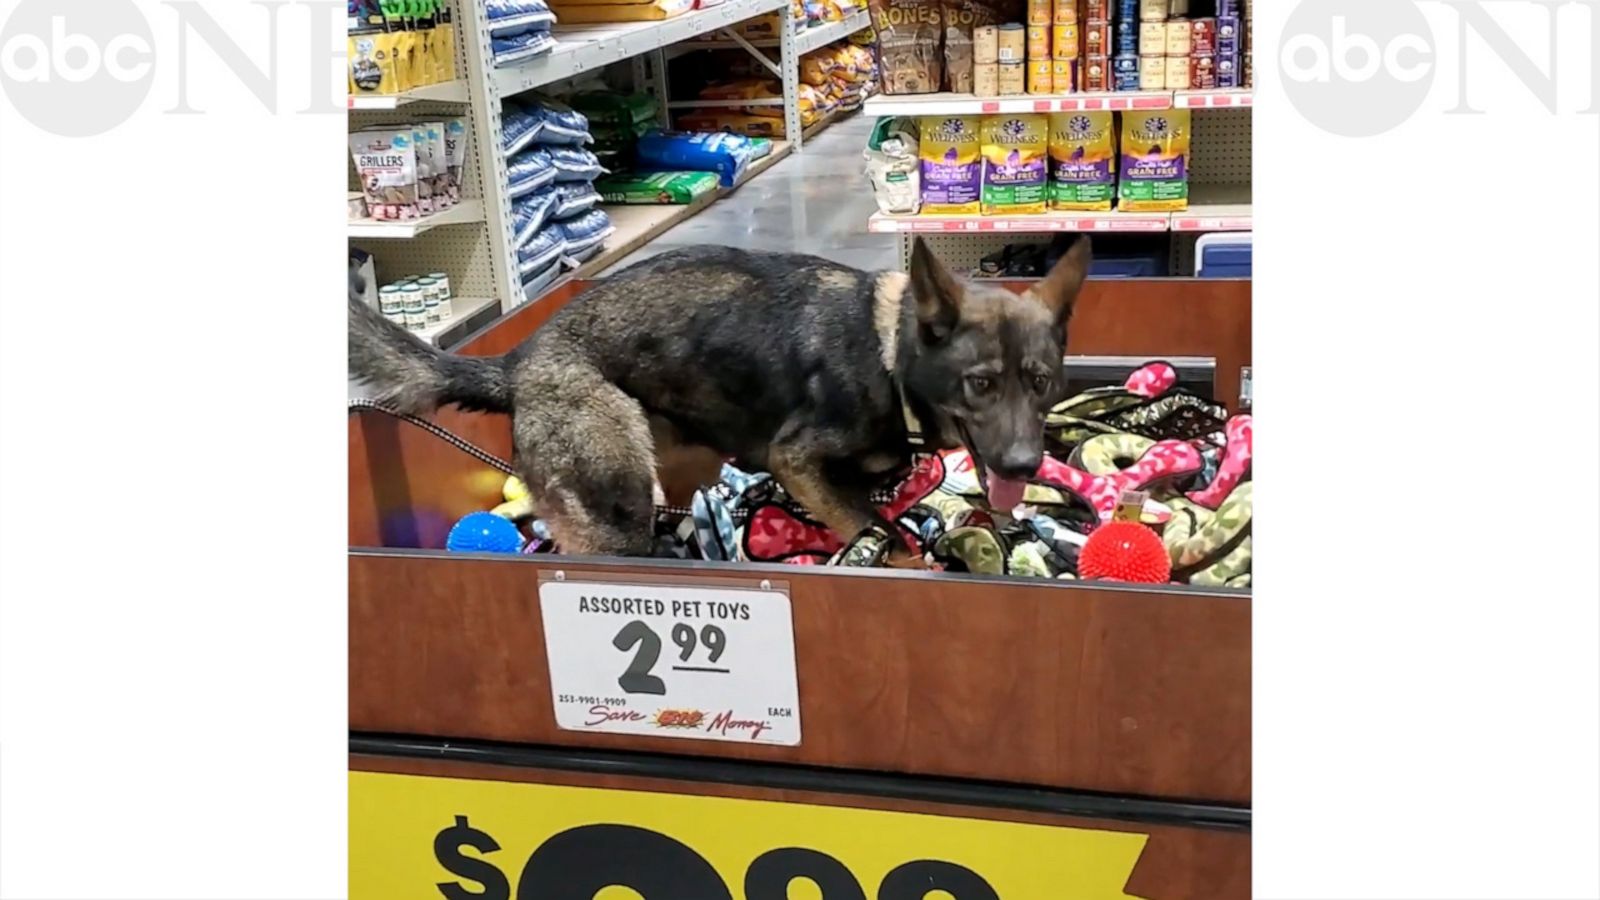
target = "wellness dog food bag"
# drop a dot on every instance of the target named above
(1083, 151)
(1155, 161)
(952, 173)
(1015, 176)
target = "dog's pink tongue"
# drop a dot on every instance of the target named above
(1005, 493)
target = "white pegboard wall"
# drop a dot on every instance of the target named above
(1219, 150)
(460, 251)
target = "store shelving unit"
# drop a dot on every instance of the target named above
(584, 48)
(444, 92)
(1219, 175)
(464, 213)
(473, 242)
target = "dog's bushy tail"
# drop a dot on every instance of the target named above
(417, 378)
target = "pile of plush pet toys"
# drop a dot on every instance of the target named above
(1182, 461)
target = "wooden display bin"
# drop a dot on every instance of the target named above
(989, 737)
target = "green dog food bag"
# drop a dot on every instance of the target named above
(657, 188)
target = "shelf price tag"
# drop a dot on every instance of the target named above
(708, 663)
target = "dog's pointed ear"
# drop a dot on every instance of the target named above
(1059, 289)
(936, 291)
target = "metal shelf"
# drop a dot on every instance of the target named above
(465, 212)
(947, 104)
(443, 92)
(581, 48)
(462, 312)
(1041, 223)
(1215, 207)
(806, 40)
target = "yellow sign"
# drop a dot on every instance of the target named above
(418, 837)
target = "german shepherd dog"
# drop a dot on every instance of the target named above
(828, 377)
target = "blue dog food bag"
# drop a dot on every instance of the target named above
(574, 198)
(529, 171)
(519, 127)
(512, 18)
(720, 152)
(561, 124)
(574, 164)
(586, 231)
(510, 51)
(531, 212)
(542, 250)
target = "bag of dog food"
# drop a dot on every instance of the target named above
(573, 164)
(529, 171)
(519, 127)
(952, 168)
(532, 212)
(960, 17)
(386, 162)
(660, 188)
(1154, 174)
(509, 18)
(511, 51)
(1016, 177)
(725, 154)
(893, 166)
(1083, 152)
(540, 251)
(611, 108)
(910, 43)
(585, 232)
(574, 199)
(560, 123)
(729, 120)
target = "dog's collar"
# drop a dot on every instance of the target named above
(914, 434)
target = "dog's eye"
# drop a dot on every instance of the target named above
(980, 384)
(1041, 383)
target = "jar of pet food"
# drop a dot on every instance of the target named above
(1013, 44)
(1152, 73)
(1152, 39)
(1178, 43)
(416, 307)
(430, 300)
(986, 79)
(1177, 73)
(1039, 12)
(444, 285)
(1012, 78)
(440, 293)
(985, 45)
(390, 303)
(1096, 39)
(1095, 73)
(1064, 42)
(1065, 13)
(1154, 10)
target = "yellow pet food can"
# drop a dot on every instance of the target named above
(1064, 76)
(1064, 41)
(1038, 42)
(1039, 76)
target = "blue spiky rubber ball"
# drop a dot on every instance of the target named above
(484, 532)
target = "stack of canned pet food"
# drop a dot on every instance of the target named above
(418, 302)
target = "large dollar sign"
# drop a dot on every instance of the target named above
(447, 846)
(578, 862)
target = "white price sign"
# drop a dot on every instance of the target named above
(711, 663)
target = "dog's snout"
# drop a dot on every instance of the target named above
(1018, 462)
